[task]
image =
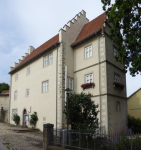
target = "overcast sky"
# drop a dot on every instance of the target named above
(33, 22)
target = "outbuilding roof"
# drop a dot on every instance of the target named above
(5, 92)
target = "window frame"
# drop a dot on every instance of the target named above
(89, 78)
(49, 60)
(115, 74)
(47, 86)
(114, 51)
(69, 81)
(16, 77)
(118, 109)
(28, 71)
(14, 113)
(85, 49)
(26, 92)
(15, 95)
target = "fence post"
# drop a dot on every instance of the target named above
(131, 138)
(47, 135)
(2, 114)
(79, 139)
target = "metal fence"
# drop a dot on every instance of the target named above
(96, 140)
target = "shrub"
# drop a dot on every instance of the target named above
(82, 111)
(33, 119)
(16, 119)
(134, 124)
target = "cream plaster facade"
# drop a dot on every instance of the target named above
(134, 104)
(4, 102)
(49, 106)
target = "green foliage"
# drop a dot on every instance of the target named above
(16, 119)
(126, 33)
(4, 86)
(82, 113)
(33, 119)
(134, 124)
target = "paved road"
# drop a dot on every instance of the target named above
(2, 147)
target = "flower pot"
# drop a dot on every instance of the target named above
(118, 85)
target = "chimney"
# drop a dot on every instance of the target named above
(31, 49)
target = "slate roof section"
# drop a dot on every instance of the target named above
(5, 92)
(91, 27)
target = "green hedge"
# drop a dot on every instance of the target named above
(134, 124)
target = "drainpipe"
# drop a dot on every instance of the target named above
(56, 85)
(99, 79)
(10, 97)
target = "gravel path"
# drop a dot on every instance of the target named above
(17, 140)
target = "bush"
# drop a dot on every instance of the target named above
(82, 111)
(134, 124)
(16, 119)
(33, 119)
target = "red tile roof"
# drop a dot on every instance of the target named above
(5, 91)
(41, 48)
(92, 27)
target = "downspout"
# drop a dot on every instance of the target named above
(99, 80)
(56, 86)
(10, 96)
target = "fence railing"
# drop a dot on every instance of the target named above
(96, 140)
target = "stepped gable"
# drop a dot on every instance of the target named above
(5, 91)
(92, 27)
(41, 48)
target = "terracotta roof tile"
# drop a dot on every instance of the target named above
(41, 48)
(91, 27)
(5, 91)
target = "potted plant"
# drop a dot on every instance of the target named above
(88, 85)
(16, 119)
(33, 119)
(118, 85)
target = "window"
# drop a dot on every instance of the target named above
(70, 83)
(28, 71)
(115, 51)
(15, 95)
(48, 60)
(88, 52)
(45, 61)
(89, 78)
(116, 78)
(45, 86)
(27, 92)
(117, 106)
(14, 112)
(16, 77)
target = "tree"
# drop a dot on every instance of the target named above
(82, 111)
(3, 86)
(126, 33)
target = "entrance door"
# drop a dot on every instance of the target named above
(24, 113)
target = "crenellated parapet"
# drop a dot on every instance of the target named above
(73, 26)
(30, 50)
